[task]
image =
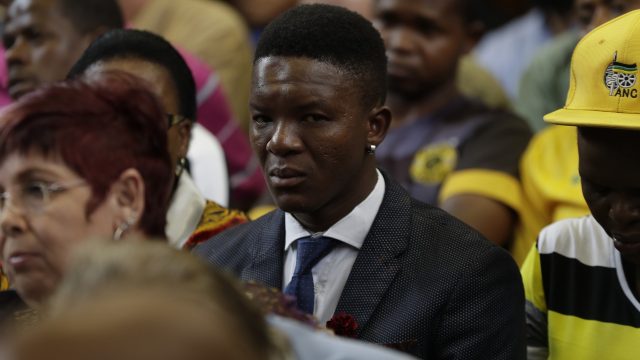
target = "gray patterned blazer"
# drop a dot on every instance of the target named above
(423, 281)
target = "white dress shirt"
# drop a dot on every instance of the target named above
(330, 274)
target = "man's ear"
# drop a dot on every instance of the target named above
(378, 124)
(127, 196)
(184, 133)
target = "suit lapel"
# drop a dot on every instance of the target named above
(379, 258)
(268, 252)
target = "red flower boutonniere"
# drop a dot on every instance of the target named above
(343, 324)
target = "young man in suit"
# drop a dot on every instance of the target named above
(346, 237)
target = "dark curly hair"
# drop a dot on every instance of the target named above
(334, 35)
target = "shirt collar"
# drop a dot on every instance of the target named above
(185, 211)
(351, 229)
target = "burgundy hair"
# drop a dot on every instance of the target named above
(99, 128)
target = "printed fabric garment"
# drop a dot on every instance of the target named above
(215, 219)
(551, 189)
(465, 148)
(578, 302)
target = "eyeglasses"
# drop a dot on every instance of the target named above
(175, 119)
(34, 196)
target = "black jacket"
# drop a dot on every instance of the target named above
(422, 280)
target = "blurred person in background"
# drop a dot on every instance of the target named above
(508, 50)
(472, 79)
(43, 38)
(66, 27)
(212, 31)
(145, 300)
(105, 273)
(549, 167)
(444, 148)
(258, 13)
(191, 217)
(139, 325)
(78, 160)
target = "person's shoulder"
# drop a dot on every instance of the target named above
(582, 239)
(254, 227)
(446, 233)
(447, 252)
(233, 247)
(555, 136)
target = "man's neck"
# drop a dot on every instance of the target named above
(131, 8)
(341, 206)
(406, 110)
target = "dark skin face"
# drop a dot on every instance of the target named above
(593, 13)
(41, 44)
(611, 184)
(424, 41)
(310, 131)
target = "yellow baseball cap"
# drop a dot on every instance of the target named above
(604, 90)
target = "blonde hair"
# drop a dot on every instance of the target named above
(154, 293)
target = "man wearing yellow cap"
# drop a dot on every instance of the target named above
(582, 279)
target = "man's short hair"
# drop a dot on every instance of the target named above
(90, 15)
(334, 35)
(145, 46)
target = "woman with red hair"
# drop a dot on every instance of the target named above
(78, 160)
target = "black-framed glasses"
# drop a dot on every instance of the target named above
(175, 119)
(33, 197)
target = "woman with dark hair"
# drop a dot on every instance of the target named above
(191, 217)
(78, 160)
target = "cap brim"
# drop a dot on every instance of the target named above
(594, 118)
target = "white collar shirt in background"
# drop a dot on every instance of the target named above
(331, 272)
(185, 211)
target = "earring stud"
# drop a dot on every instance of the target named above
(371, 149)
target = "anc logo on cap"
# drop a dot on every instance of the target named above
(621, 78)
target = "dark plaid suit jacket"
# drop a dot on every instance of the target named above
(423, 281)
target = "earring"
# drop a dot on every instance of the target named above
(123, 227)
(182, 163)
(371, 149)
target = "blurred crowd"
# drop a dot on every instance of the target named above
(301, 179)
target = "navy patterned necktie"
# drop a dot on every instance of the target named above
(310, 250)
